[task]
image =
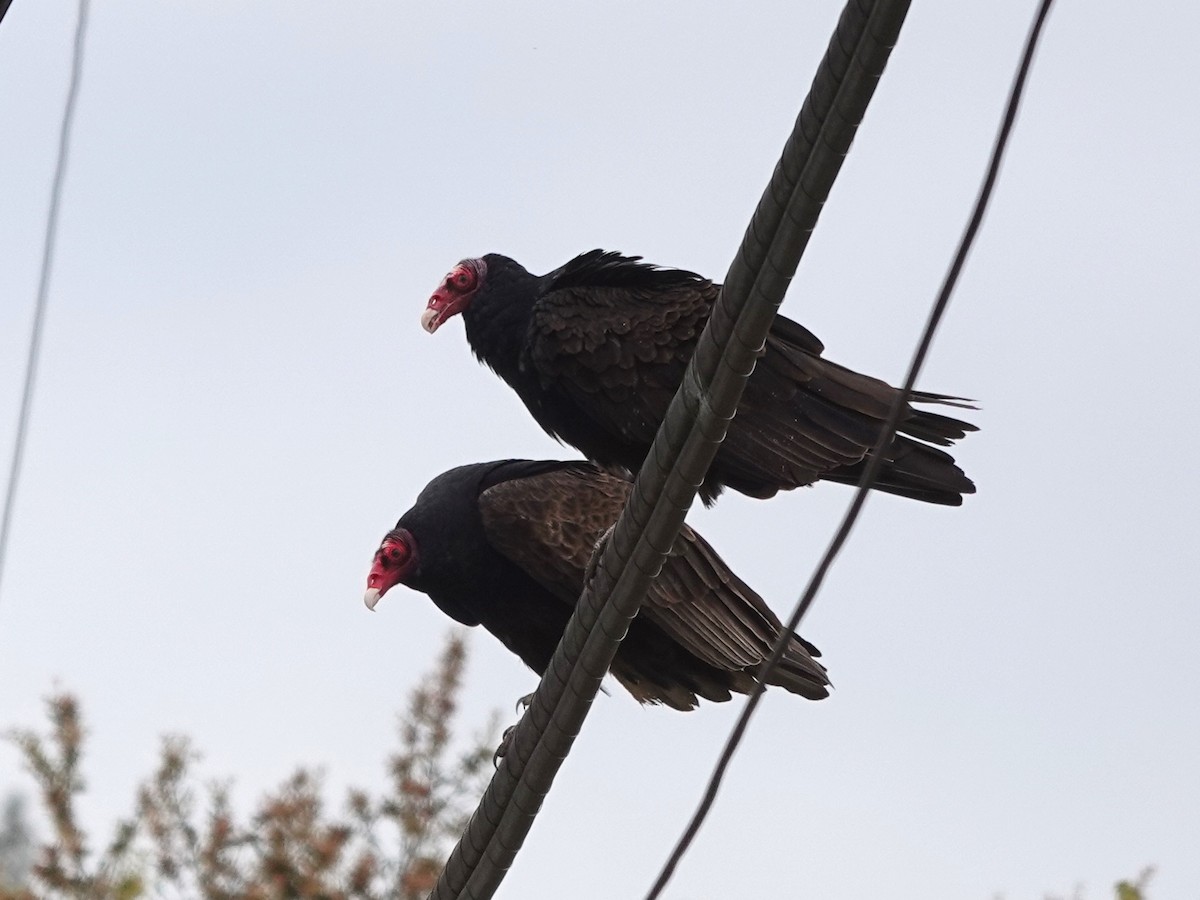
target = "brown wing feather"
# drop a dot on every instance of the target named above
(831, 420)
(549, 525)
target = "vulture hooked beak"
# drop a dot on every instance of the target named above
(379, 582)
(431, 318)
(395, 558)
(454, 294)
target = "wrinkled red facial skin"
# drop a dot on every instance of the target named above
(394, 560)
(454, 294)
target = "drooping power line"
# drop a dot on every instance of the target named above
(876, 458)
(39, 310)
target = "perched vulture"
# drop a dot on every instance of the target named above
(597, 348)
(506, 544)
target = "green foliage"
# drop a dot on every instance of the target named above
(184, 841)
(1136, 889)
(1125, 890)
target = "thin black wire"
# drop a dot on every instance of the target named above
(876, 459)
(39, 310)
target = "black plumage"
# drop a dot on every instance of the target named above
(597, 348)
(505, 545)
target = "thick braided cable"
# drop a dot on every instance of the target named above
(693, 428)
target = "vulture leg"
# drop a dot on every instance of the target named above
(589, 571)
(522, 704)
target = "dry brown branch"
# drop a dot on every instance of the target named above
(187, 841)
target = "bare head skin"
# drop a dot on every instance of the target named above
(394, 560)
(454, 294)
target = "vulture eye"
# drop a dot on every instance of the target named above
(462, 278)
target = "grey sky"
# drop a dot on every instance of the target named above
(236, 402)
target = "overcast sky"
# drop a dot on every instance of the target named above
(236, 401)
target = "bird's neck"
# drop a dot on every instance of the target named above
(497, 320)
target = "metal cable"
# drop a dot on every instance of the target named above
(39, 309)
(685, 445)
(875, 460)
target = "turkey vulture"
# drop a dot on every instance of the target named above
(597, 348)
(506, 544)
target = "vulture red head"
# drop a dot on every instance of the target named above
(454, 294)
(395, 559)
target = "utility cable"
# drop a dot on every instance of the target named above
(39, 310)
(876, 458)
